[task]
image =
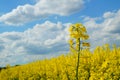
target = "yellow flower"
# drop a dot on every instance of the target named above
(70, 29)
(75, 34)
(77, 25)
(83, 29)
(86, 44)
(85, 37)
(72, 35)
(77, 40)
(71, 42)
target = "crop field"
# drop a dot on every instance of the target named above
(101, 64)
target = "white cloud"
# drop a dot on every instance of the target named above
(112, 22)
(105, 29)
(43, 40)
(50, 39)
(42, 9)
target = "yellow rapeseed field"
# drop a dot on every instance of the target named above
(101, 64)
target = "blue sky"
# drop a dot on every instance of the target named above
(37, 29)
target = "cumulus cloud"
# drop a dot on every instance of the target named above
(105, 29)
(112, 22)
(42, 9)
(43, 40)
(50, 39)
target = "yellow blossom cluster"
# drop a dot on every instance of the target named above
(101, 64)
(79, 33)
